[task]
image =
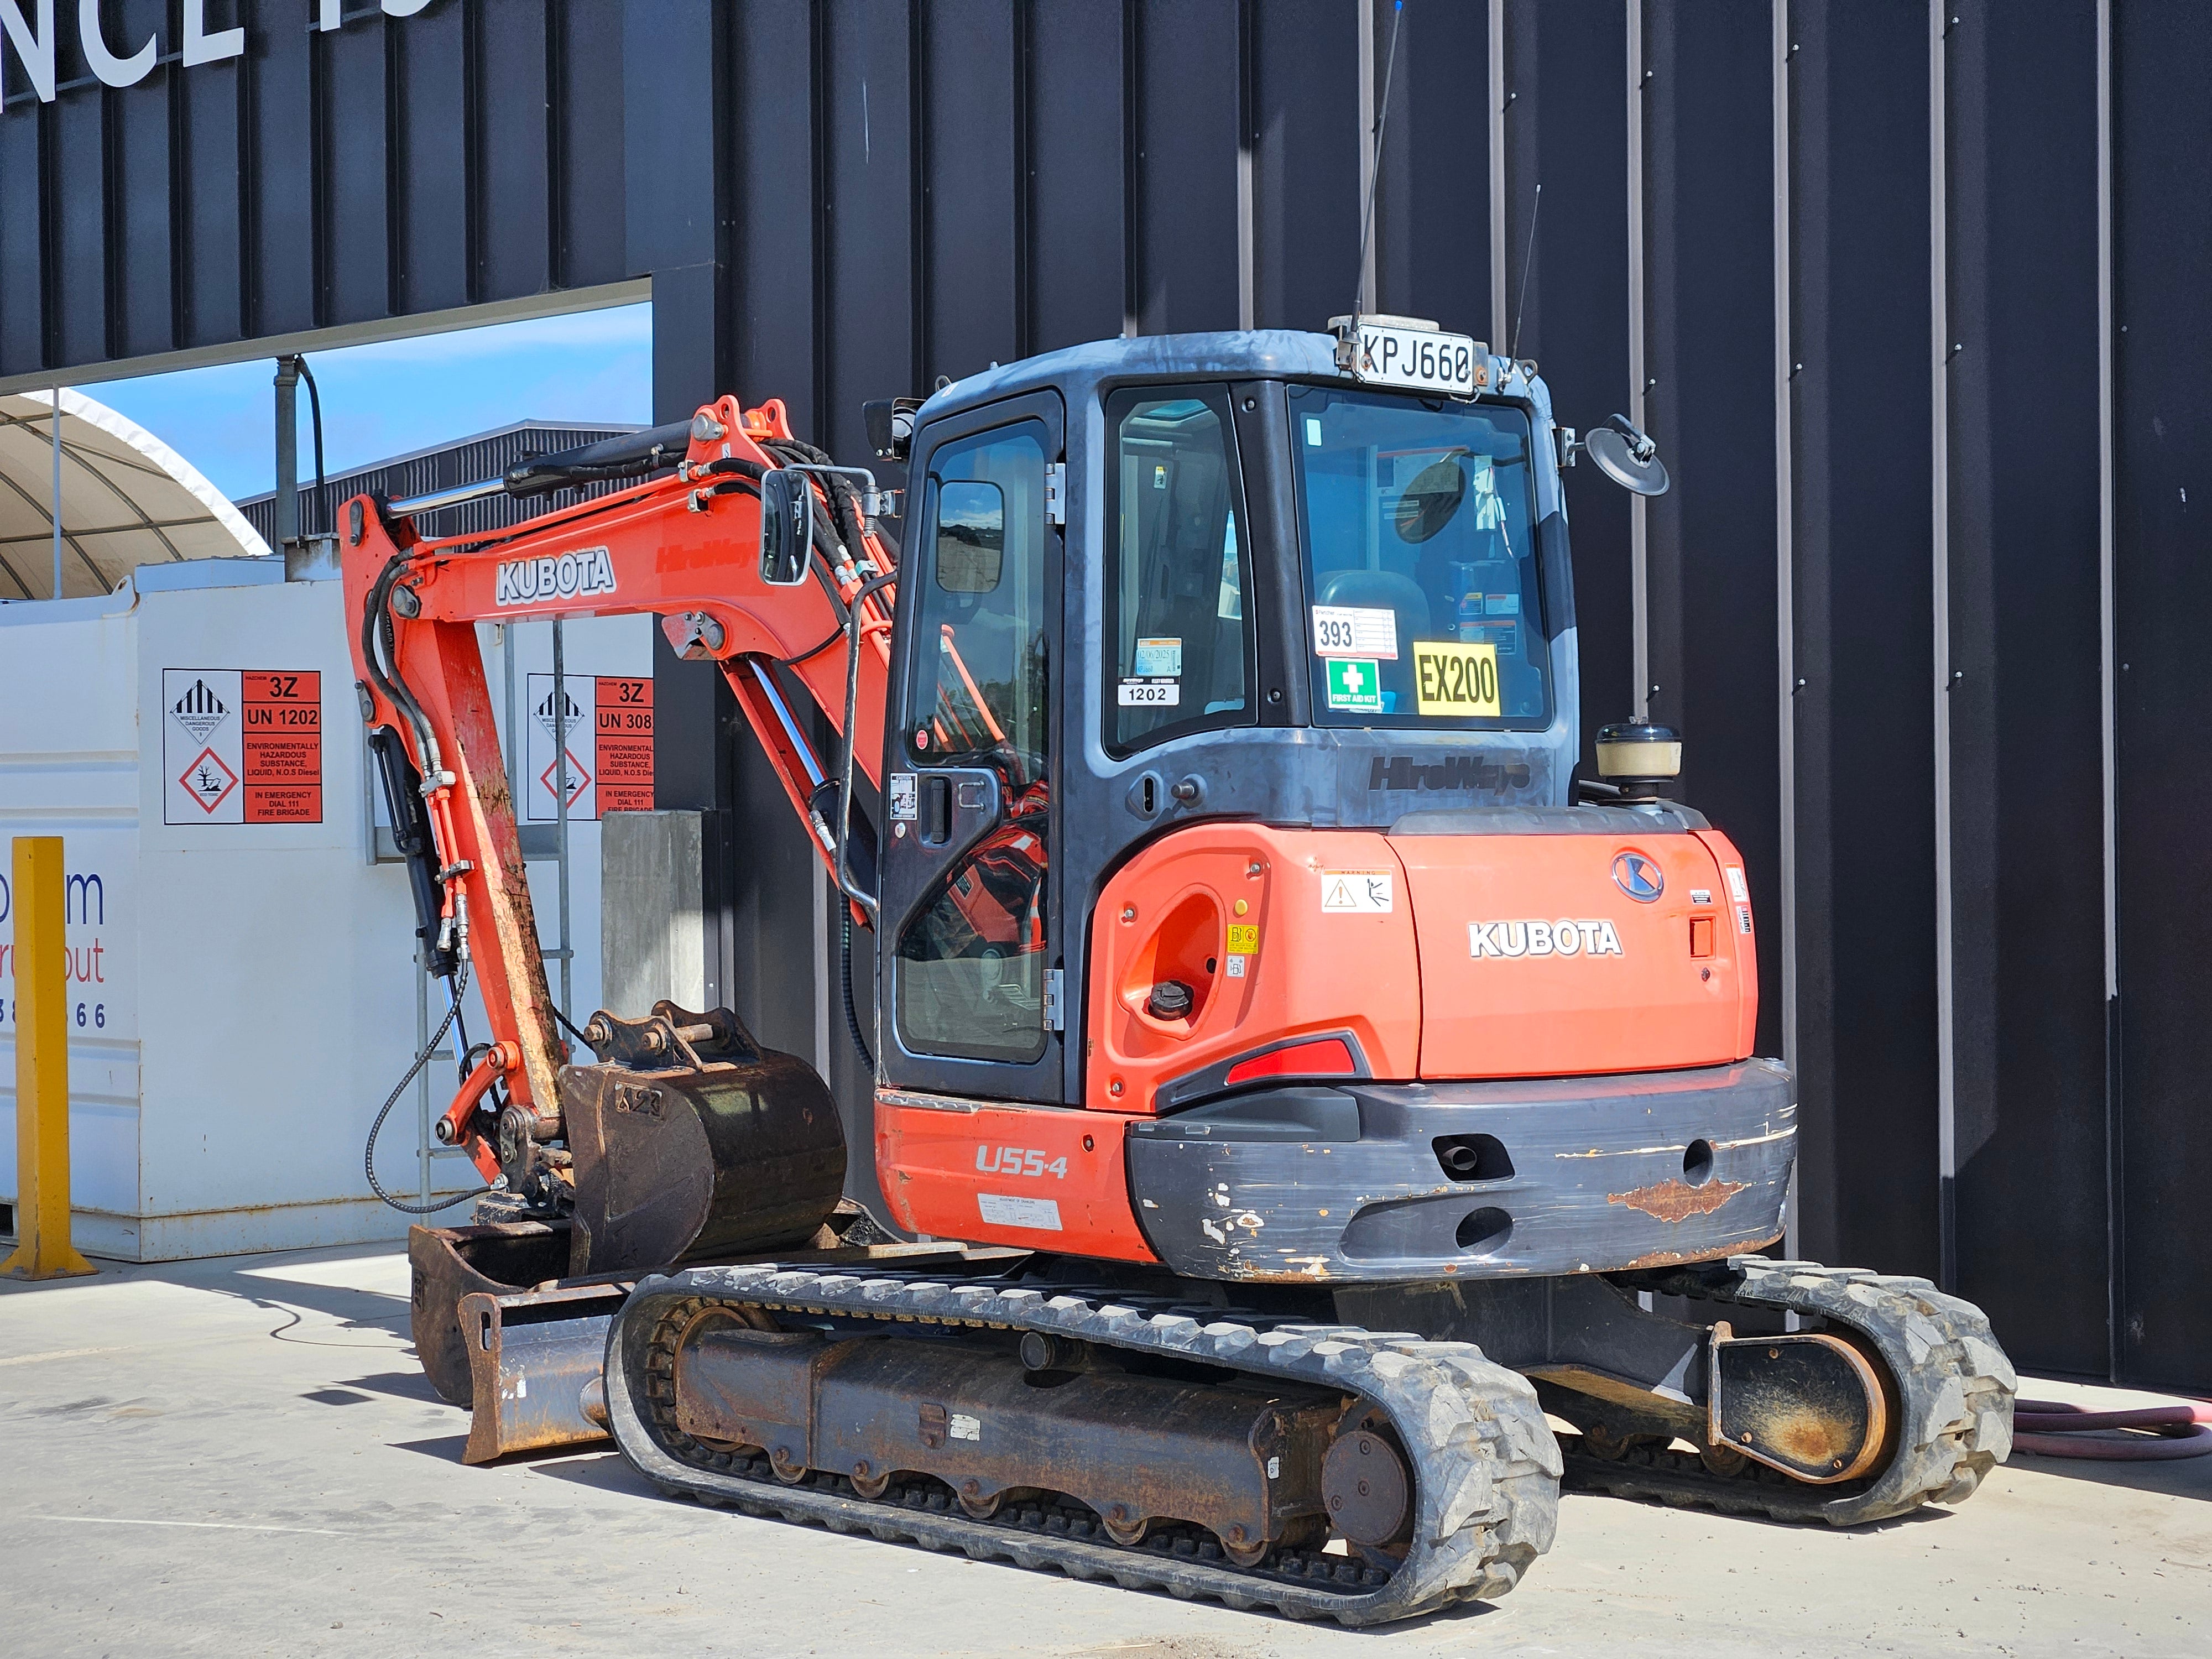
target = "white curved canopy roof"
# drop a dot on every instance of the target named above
(127, 499)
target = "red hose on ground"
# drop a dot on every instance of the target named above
(2051, 1428)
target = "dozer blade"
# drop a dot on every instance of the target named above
(535, 1358)
(448, 1263)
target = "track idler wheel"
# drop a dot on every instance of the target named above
(1807, 1403)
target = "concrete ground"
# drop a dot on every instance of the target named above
(240, 1457)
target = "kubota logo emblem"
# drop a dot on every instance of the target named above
(583, 574)
(1566, 937)
(1639, 876)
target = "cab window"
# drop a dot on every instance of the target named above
(1419, 547)
(970, 964)
(1176, 587)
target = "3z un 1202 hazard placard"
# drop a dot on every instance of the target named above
(242, 746)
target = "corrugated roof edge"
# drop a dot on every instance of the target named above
(390, 461)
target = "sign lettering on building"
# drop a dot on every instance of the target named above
(29, 33)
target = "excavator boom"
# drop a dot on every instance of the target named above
(683, 545)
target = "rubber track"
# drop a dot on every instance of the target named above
(1954, 1384)
(1487, 1466)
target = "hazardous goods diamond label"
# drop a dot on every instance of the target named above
(242, 746)
(605, 721)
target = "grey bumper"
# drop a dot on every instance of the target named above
(1554, 1176)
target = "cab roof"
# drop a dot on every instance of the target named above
(1078, 371)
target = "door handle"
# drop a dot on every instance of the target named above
(936, 810)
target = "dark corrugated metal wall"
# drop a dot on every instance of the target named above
(1874, 601)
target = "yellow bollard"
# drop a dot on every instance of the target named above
(42, 1160)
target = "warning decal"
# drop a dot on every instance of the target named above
(607, 721)
(624, 744)
(1356, 892)
(242, 746)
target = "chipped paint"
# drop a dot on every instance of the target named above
(1680, 1258)
(1752, 1140)
(1676, 1199)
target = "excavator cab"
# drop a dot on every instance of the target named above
(1228, 796)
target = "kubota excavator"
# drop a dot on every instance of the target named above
(1325, 1087)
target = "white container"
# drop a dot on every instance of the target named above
(243, 993)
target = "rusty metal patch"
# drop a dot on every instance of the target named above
(1676, 1199)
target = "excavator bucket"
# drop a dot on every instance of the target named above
(684, 1164)
(688, 1142)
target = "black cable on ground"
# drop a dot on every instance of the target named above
(845, 975)
(369, 1152)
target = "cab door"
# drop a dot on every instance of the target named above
(970, 955)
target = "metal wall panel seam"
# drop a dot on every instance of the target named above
(1024, 248)
(1131, 174)
(1248, 138)
(2108, 693)
(1947, 1139)
(1365, 300)
(1784, 584)
(920, 243)
(1498, 174)
(1639, 575)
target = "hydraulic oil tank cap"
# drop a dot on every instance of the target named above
(1637, 756)
(1170, 999)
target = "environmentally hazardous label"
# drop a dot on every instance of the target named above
(607, 722)
(1356, 892)
(242, 746)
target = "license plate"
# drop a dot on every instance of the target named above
(1421, 359)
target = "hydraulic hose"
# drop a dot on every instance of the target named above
(368, 1151)
(845, 978)
(2052, 1428)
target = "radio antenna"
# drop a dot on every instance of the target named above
(1363, 298)
(1528, 258)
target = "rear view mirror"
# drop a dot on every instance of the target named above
(971, 537)
(786, 527)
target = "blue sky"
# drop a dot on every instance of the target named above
(380, 400)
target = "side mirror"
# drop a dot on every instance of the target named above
(786, 527)
(1627, 457)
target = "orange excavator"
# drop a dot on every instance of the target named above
(1311, 1123)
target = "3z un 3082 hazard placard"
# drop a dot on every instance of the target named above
(242, 746)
